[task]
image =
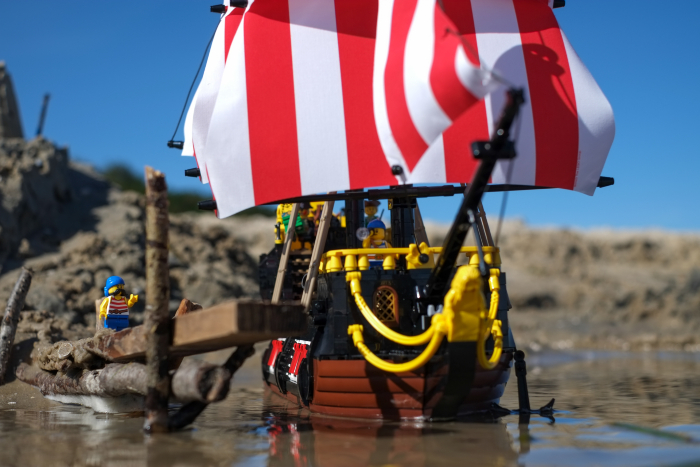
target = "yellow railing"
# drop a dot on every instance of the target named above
(359, 258)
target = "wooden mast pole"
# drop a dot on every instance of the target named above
(289, 234)
(157, 319)
(319, 245)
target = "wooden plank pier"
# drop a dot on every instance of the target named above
(229, 324)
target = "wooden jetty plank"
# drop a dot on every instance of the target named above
(222, 326)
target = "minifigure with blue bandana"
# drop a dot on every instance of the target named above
(114, 309)
(376, 239)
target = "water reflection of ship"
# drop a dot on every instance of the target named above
(300, 438)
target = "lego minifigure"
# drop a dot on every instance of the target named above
(114, 310)
(371, 207)
(303, 226)
(377, 232)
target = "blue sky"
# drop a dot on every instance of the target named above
(118, 73)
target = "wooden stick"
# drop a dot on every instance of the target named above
(11, 318)
(194, 381)
(286, 249)
(419, 228)
(157, 320)
(319, 245)
(98, 322)
(189, 412)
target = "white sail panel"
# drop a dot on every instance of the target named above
(187, 146)
(209, 86)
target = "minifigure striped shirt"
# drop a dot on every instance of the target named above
(118, 307)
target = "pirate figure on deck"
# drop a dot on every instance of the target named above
(371, 207)
(376, 239)
(114, 310)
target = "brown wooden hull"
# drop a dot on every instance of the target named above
(354, 388)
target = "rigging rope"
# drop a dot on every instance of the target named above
(504, 200)
(194, 80)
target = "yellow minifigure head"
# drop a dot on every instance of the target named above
(371, 207)
(377, 230)
(116, 290)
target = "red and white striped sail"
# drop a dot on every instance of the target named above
(295, 113)
(199, 114)
(423, 80)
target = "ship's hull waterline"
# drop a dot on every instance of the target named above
(355, 389)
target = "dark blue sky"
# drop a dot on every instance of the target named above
(118, 73)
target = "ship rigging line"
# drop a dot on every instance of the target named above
(194, 80)
(504, 200)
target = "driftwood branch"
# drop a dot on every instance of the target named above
(11, 318)
(113, 380)
(198, 381)
(189, 412)
(194, 381)
(93, 353)
(157, 320)
(67, 355)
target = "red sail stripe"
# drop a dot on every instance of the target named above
(271, 105)
(409, 141)
(449, 91)
(551, 94)
(472, 125)
(231, 24)
(356, 23)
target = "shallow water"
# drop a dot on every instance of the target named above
(606, 405)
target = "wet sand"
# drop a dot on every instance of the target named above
(595, 392)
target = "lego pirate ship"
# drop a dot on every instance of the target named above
(295, 109)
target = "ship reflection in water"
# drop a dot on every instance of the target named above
(614, 410)
(318, 440)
